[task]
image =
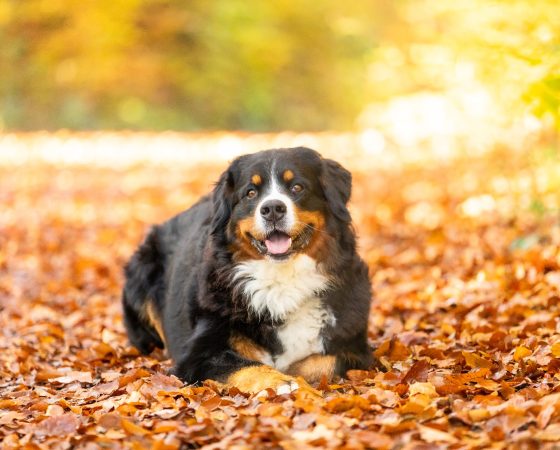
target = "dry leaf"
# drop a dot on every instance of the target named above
(464, 316)
(61, 425)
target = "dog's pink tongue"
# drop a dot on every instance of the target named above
(278, 244)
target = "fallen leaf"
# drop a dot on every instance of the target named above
(431, 435)
(475, 361)
(54, 410)
(132, 428)
(59, 426)
(418, 372)
(521, 352)
(71, 377)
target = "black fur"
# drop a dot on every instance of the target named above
(184, 268)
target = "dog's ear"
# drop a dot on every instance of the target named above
(222, 201)
(336, 182)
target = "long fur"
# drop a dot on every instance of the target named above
(204, 292)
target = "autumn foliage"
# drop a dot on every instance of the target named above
(465, 263)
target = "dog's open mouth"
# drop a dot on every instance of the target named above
(278, 243)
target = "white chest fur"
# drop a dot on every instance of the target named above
(300, 334)
(288, 291)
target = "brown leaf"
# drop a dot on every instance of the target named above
(59, 426)
(110, 421)
(341, 404)
(357, 375)
(133, 375)
(11, 416)
(212, 403)
(106, 388)
(458, 383)
(475, 361)
(70, 377)
(418, 372)
(374, 439)
(394, 349)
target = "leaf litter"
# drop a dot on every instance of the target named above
(465, 318)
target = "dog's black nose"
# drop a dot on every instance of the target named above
(273, 210)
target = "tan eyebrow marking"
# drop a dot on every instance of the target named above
(256, 179)
(288, 175)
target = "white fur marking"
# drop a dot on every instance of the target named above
(275, 193)
(288, 290)
(279, 287)
(300, 335)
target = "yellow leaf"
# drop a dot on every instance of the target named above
(521, 352)
(447, 328)
(132, 428)
(423, 388)
(556, 349)
(474, 361)
(477, 415)
(416, 404)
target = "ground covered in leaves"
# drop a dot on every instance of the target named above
(465, 263)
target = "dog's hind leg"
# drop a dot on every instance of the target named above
(143, 294)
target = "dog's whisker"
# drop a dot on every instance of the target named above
(307, 225)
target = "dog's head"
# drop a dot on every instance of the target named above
(278, 203)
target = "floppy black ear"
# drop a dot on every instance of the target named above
(222, 200)
(337, 186)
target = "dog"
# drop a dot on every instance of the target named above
(259, 284)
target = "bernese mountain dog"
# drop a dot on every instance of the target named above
(258, 285)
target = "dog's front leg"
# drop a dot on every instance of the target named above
(209, 355)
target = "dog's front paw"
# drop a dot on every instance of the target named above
(255, 379)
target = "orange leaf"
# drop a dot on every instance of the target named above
(476, 362)
(132, 428)
(521, 352)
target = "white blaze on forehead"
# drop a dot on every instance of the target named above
(275, 192)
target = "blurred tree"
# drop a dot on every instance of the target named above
(256, 65)
(183, 65)
(512, 46)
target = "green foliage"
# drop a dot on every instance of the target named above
(184, 65)
(264, 65)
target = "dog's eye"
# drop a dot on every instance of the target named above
(297, 188)
(251, 193)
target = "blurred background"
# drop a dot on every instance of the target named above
(411, 70)
(118, 114)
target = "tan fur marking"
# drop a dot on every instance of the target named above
(247, 348)
(242, 248)
(288, 175)
(316, 247)
(247, 225)
(153, 318)
(257, 378)
(314, 218)
(314, 367)
(256, 180)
